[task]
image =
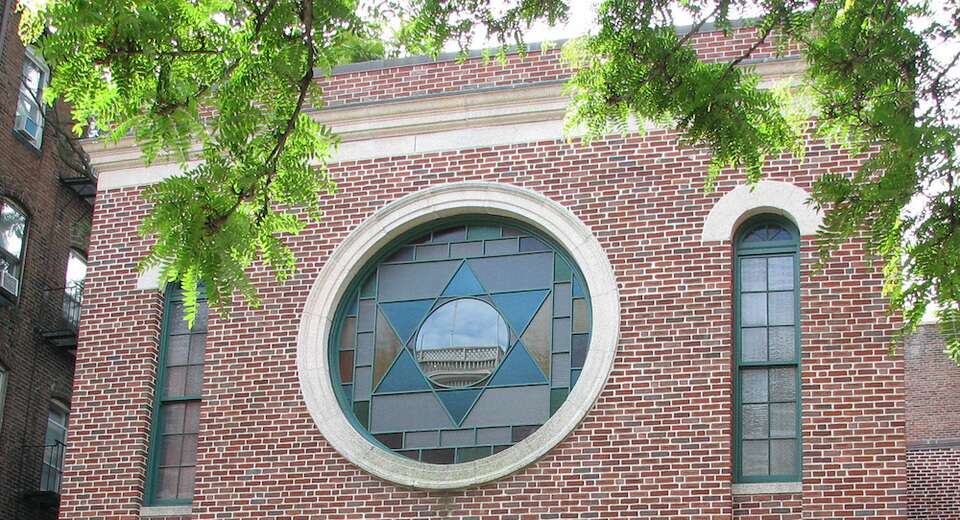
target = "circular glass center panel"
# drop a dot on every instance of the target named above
(460, 342)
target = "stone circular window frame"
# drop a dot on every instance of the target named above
(399, 217)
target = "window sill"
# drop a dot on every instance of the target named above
(768, 488)
(156, 511)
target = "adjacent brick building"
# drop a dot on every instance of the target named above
(46, 208)
(638, 397)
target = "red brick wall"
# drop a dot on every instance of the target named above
(37, 371)
(656, 443)
(933, 427)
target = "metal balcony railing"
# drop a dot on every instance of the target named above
(41, 471)
(63, 315)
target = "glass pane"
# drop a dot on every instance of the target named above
(783, 385)
(194, 380)
(404, 254)
(755, 457)
(782, 344)
(557, 398)
(581, 316)
(366, 316)
(365, 348)
(578, 350)
(561, 370)
(346, 366)
(466, 249)
(432, 252)
(781, 308)
(387, 347)
(522, 432)
(561, 335)
(514, 273)
(530, 244)
(783, 420)
(454, 234)
(754, 385)
(441, 456)
(506, 246)
(170, 449)
(561, 270)
(361, 386)
(167, 479)
(31, 76)
(469, 454)
(391, 440)
(536, 338)
(483, 232)
(198, 343)
(493, 436)
(76, 269)
(185, 488)
(753, 310)
(171, 417)
(176, 324)
(755, 421)
(423, 439)
(753, 344)
(783, 457)
(781, 273)
(178, 350)
(191, 417)
(189, 454)
(461, 343)
(753, 274)
(176, 381)
(457, 438)
(561, 301)
(347, 332)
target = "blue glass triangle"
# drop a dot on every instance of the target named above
(518, 308)
(578, 291)
(403, 376)
(405, 317)
(518, 369)
(463, 283)
(458, 402)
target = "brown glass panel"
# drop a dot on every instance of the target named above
(348, 332)
(394, 441)
(440, 456)
(522, 432)
(346, 366)
(537, 336)
(387, 346)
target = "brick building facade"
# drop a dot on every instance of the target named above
(651, 427)
(46, 209)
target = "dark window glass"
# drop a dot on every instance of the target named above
(767, 372)
(173, 455)
(461, 340)
(13, 233)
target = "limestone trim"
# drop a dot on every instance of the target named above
(744, 201)
(400, 216)
(165, 511)
(406, 126)
(768, 488)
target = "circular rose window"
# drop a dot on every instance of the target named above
(460, 340)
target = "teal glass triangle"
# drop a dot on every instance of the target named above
(463, 283)
(518, 308)
(458, 402)
(403, 376)
(518, 369)
(405, 317)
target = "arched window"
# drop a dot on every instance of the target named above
(13, 234)
(767, 351)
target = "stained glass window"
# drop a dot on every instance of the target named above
(767, 379)
(460, 340)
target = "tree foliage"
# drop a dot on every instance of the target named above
(224, 82)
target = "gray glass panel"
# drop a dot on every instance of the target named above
(415, 281)
(363, 377)
(782, 344)
(453, 438)
(537, 336)
(171, 420)
(391, 413)
(783, 420)
(581, 316)
(178, 347)
(755, 457)
(753, 387)
(466, 249)
(781, 273)
(404, 254)
(753, 274)
(753, 344)
(561, 370)
(561, 302)
(347, 331)
(783, 457)
(781, 308)
(365, 348)
(753, 310)
(528, 244)
(755, 421)
(783, 384)
(512, 405)
(453, 234)
(432, 252)
(368, 311)
(506, 246)
(561, 335)
(516, 273)
(429, 439)
(493, 436)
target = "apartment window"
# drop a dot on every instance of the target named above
(29, 121)
(13, 232)
(173, 452)
(73, 288)
(767, 443)
(54, 444)
(4, 375)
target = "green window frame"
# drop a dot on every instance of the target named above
(171, 462)
(767, 443)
